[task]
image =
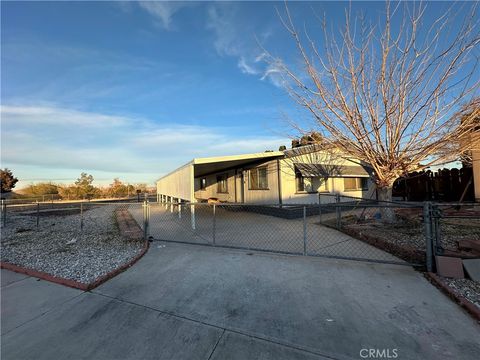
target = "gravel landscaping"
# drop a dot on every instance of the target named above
(60, 248)
(408, 229)
(469, 289)
(403, 238)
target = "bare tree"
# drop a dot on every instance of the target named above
(391, 96)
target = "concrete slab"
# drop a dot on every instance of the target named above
(96, 327)
(10, 277)
(25, 300)
(330, 307)
(449, 267)
(472, 267)
(240, 347)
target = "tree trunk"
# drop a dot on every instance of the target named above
(385, 197)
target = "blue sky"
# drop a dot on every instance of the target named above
(135, 89)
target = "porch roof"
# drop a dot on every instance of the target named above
(330, 170)
(204, 166)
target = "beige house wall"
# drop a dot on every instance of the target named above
(238, 184)
(211, 189)
(269, 196)
(178, 184)
(285, 170)
(334, 184)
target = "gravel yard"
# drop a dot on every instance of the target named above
(467, 288)
(408, 229)
(60, 248)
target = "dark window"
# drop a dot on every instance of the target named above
(222, 183)
(203, 183)
(258, 179)
(300, 183)
(351, 184)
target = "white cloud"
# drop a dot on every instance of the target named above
(246, 68)
(275, 72)
(56, 141)
(236, 39)
(163, 11)
(221, 19)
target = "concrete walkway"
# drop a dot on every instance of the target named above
(194, 302)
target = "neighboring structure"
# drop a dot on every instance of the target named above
(277, 177)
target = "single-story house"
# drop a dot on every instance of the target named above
(294, 176)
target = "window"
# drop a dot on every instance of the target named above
(222, 183)
(311, 184)
(300, 180)
(258, 179)
(203, 183)
(352, 184)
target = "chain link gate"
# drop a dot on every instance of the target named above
(301, 229)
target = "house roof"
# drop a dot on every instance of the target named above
(207, 165)
(203, 166)
(331, 170)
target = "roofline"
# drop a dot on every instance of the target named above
(175, 170)
(209, 160)
(214, 159)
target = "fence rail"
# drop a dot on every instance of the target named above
(347, 227)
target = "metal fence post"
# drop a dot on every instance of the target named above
(192, 215)
(145, 219)
(81, 216)
(304, 230)
(427, 221)
(319, 208)
(38, 213)
(338, 211)
(179, 205)
(214, 225)
(4, 212)
(437, 248)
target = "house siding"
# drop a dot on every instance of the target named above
(335, 184)
(211, 189)
(282, 187)
(178, 184)
(269, 196)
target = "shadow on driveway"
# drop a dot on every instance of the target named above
(194, 302)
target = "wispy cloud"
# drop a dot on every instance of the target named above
(237, 39)
(275, 72)
(232, 36)
(246, 68)
(163, 11)
(60, 139)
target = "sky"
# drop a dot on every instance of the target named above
(136, 89)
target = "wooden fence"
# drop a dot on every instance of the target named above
(451, 185)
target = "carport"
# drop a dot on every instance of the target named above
(179, 185)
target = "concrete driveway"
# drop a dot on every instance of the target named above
(243, 229)
(194, 302)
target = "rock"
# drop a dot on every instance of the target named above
(472, 267)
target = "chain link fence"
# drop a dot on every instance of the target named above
(77, 241)
(304, 229)
(72, 219)
(336, 227)
(455, 230)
